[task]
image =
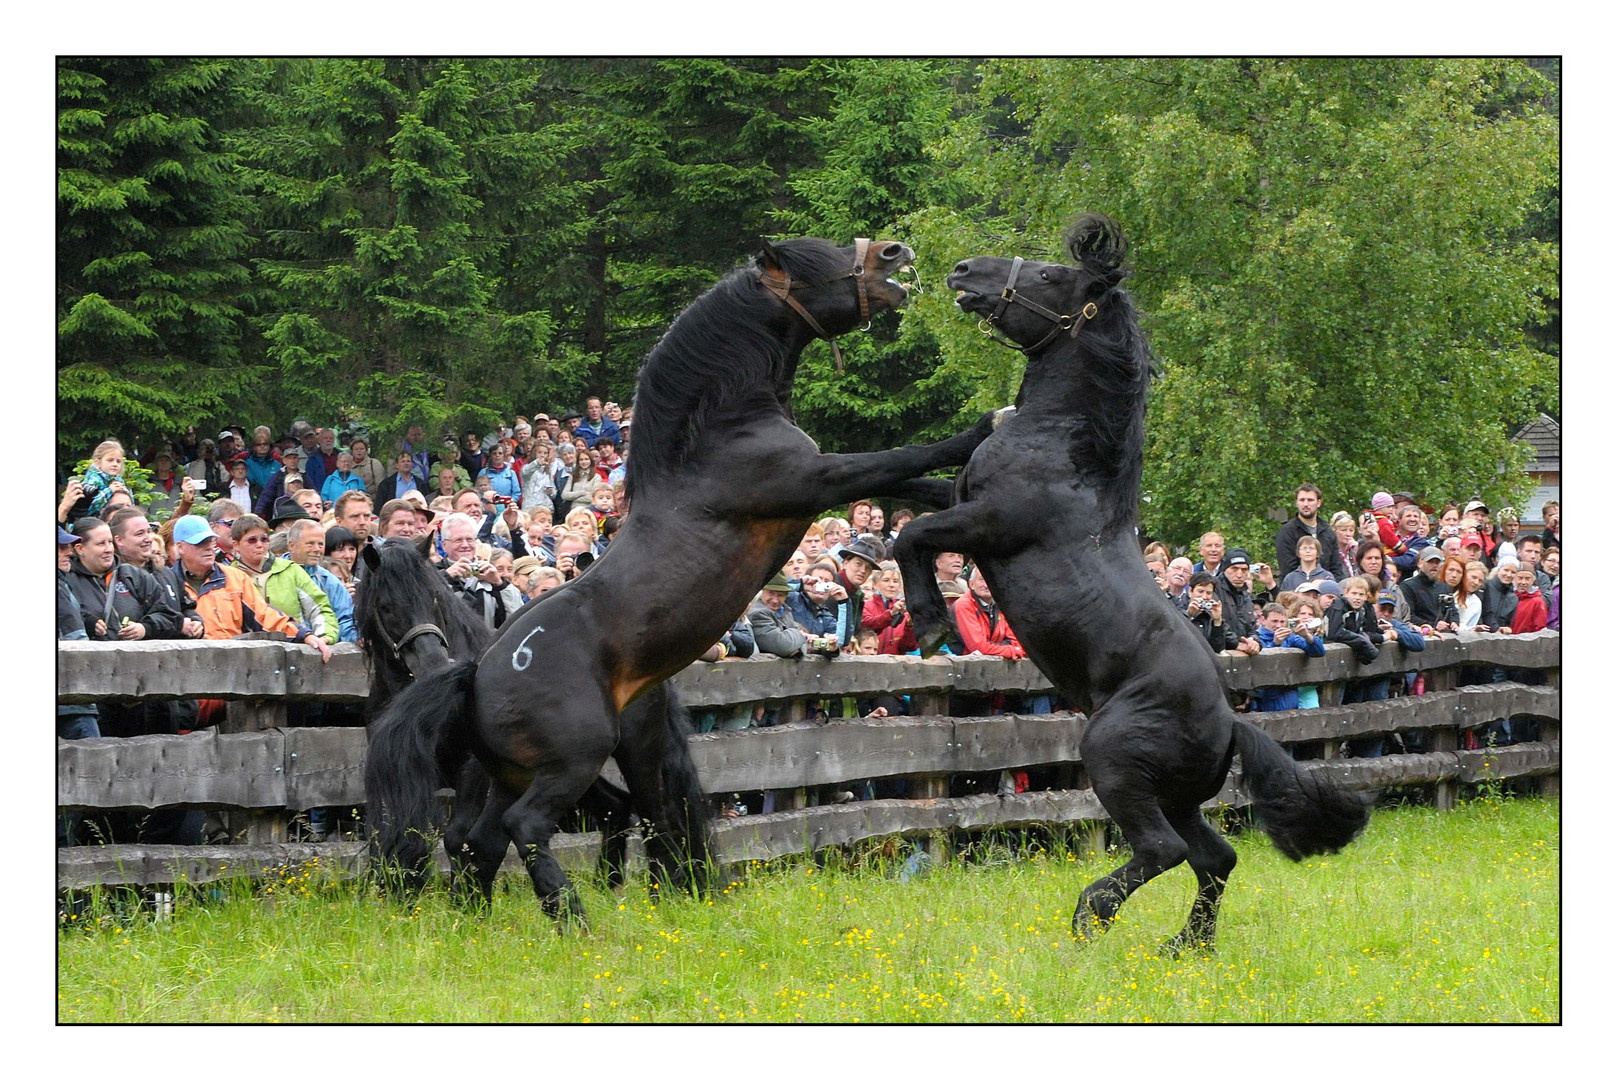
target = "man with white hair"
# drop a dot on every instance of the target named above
(477, 580)
(306, 546)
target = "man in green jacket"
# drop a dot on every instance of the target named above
(284, 583)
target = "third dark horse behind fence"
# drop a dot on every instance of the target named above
(1047, 510)
(718, 469)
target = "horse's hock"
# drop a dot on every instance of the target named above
(264, 773)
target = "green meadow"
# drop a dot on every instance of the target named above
(1428, 917)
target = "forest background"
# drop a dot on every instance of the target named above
(1348, 269)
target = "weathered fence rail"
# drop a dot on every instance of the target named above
(257, 764)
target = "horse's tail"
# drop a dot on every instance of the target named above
(414, 748)
(1303, 810)
(688, 807)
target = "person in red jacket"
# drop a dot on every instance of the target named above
(885, 614)
(982, 626)
(1531, 614)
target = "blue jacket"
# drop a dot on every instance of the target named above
(261, 470)
(813, 620)
(338, 594)
(336, 484)
(505, 482)
(605, 427)
(1278, 698)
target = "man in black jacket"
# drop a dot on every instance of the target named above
(1237, 601)
(1424, 589)
(1307, 500)
(121, 602)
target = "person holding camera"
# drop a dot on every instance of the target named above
(1208, 614)
(771, 622)
(885, 614)
(1428, 598)
(477, 580)
(1277, 631)
(822, 607)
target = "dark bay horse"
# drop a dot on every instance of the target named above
(1047, 510)
(411, 624)
(722, 485)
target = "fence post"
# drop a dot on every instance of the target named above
(1443, 739)
(933, 785)
(268, 826)
(1550, 731)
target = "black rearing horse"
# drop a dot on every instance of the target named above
(410, 623)
(1047, 510)
(719, 473)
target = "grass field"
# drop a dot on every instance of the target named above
(1428, 917)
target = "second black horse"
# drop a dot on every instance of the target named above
(1047, 510)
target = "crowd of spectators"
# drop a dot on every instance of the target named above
(519, 511)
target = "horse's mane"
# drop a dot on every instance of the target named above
(1116, 367)
(723, 354)
(404, 581)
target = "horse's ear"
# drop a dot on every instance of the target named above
(1097, 243)
(369, 556)
(768, 259)
(424, 544)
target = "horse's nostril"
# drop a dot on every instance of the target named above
(960, 268)
(893, 251)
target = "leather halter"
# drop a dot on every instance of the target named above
(419, 630)
(782, 285)
(1010, 294)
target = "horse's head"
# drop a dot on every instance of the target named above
(400, 610)
(835, 289)
(1034, 302)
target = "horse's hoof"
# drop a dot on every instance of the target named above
(930, 638)
(1181, 944)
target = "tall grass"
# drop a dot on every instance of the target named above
(1428, 917)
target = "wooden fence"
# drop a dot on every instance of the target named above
(264, 772)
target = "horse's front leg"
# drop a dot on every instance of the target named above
(839, 478)
(970, 528)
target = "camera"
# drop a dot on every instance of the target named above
(504, 500)
(478, 566)
(1311, 624)
(1291, 624)
(821, 588)
(1204, 605)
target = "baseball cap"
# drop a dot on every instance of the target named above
(226, 434)
(1472, 539)
(1431, 553)
(1475, 505)
(1386, 597)
(65, 537)
(1313, 585)
(193, 529)
(293, 474)
(1329, 588)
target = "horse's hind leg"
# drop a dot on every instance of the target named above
(1155, 848)
(533, 819)
(472, 788)
(1212, 859)
(670, 842)
(484, 847)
